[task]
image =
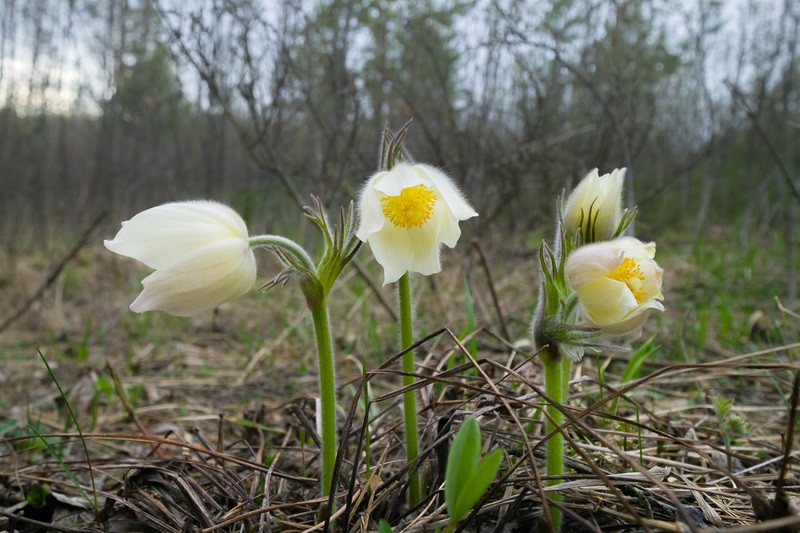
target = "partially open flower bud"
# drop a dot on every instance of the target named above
(617, 283)
(199, 251)
(594, 208)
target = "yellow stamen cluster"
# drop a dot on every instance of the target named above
(411, 208)
(630, 273)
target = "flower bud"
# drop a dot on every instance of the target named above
(617, 283)
(199, 251)
(594, 208)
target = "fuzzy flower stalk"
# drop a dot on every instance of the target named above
(202, 256)
(597, 289)
(407, 211)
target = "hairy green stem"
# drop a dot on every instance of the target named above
(327, 393)
(288, 245)
(556, 381)
(409, 399)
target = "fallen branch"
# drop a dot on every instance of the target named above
(54, 273)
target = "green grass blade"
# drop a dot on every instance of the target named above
(57, 456)
(472, 345)
(77, 427)
(634, 366)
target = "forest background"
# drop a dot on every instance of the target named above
(119, 105)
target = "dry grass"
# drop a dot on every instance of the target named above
(211, 424)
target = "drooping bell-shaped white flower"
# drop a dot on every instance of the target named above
(406, 214)
(200, 253)
(594, 207)
(617, 282)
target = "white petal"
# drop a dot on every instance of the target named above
(610, 204)
(600, 195)
(394, 256)
(635, 319)
(633, 247)
(607, 301)
(399, 250)
(427, 259)
(628, 325)
(425, 242)
(370, 213)
(592, 261)
(400, 177)
(201, 281)
(449, 231)
(653, 274)
(447, 189)
(163, 235)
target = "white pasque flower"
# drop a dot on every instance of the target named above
(617, 282)
(200, 253)
(406, 214)
(594, 207)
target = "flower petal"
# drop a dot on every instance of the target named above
(370, 213)
(449, 231)
(395, 256)
(635, 319)
(399, 250)
(161, 236)
(455, 201)
(592, 261)
(602, 197)
(606, 301)
(201, 280)
(400, 177)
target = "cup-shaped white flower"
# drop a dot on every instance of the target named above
(406, 214)
(617, 282)
(199, 251)
(594, 208)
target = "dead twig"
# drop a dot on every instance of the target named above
(51, 278)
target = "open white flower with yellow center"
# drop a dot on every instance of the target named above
(200, 253)
(617, 282)
(594, 207)
(406, 214)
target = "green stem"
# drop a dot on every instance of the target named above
(556, 380)
(327, 393)
(409, 400)
(287, 245)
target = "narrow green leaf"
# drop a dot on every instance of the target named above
(384, 527)
(462, 462)
(472, 345)
(69, 473)
(77, 427)
(476, 485)
(633, 367)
